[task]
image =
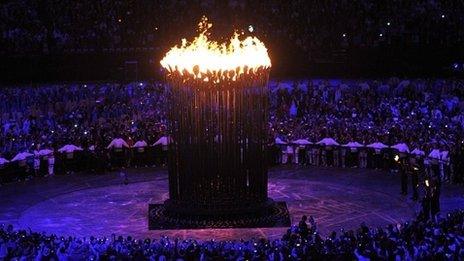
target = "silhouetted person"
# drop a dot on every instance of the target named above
(427, 200)
(435, 197)
(403, 174)
(303, 227)
(414, 171)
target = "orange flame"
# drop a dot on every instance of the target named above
(203, 57)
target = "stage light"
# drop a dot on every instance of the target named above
(343, 35)
(442, 16)
(388, 23)
(75, 125)
(381, 34)
(119, 20)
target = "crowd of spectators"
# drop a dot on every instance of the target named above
(46, 118)
(54, 26)
(416, 240)
(426, 115)
(83, 114)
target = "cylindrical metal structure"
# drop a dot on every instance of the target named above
(217, 154)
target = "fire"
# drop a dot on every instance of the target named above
(205, 59)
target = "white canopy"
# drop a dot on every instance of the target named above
(118, 143)
(328, 142)
(444, 155)
(45, 152)
(22, 156)
(377, 145)
(3, 161)
(417, 151)
(140, 144)
(302, 142)
(69, 148)
(279, 141)
(435, 154)
(162, 141)
(353, 144)
(401, 147)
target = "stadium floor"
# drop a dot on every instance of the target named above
(99, 205)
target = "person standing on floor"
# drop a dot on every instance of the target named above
(402, 169)
(414, 171)
(51, 164)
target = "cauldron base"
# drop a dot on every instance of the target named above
(277, 215)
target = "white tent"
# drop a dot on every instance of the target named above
(22, 156)
(418, 152)
(444, 155)
(279, 141)
(353, 144)
(45, 152)
(301, 142)
(401, 147)
(162, 141)
(3, 161)
(140, 144)
(69, 148)
(377, 145)
(328, 142)
(118, 143)
(435, 154)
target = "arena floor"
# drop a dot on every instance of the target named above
(100, 205)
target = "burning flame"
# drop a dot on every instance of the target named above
(202, 57)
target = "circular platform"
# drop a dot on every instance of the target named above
(85, 205)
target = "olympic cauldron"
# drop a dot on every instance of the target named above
(218, 111)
